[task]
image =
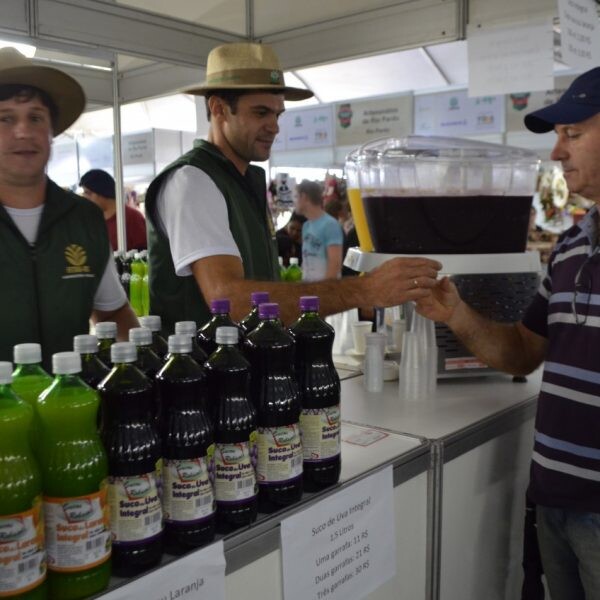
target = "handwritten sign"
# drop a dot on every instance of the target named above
(579, 33)
(505, 59)
(196, 576)
(344, 546)
(138, 148)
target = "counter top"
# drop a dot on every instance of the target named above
(456, 406)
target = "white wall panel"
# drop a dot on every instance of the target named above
(127, 30)
(271, 16)
(227, 15)
(14, 16)
(486, 12)
(157, 79)
(401, 26)
(481, 490)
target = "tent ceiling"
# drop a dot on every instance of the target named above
(161, 47)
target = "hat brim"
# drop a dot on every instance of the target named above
(560, 113)
(289, 93)
(66, 93)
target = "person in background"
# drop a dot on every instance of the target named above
(99, 187)
(289, 239)
(56, 268)
(322, 235)
(209, 230)
(562, 329)
(340, 210)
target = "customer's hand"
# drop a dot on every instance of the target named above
(442, 302)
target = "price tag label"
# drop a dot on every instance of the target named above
(366, 437)
(196, 576)
(344, 546)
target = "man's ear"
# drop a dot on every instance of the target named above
(216, 106)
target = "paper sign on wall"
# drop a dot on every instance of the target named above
(344, 546)
(196, 576)
(579, 33)
(506, 59)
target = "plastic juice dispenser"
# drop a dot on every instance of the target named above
(461, 202)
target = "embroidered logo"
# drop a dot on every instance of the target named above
(76, 258)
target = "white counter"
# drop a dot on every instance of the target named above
(457, 405)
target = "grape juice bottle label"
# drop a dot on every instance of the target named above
(234, 474)
(135, 510)
(22, 556)
(187, 490)
(320, 429)
(279, 453)
(77, 532)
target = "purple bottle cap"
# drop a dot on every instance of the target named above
(268, 310)
(220, 306)
(257, 298)
(309, 303)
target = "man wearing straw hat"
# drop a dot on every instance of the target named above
(562, 328)
(209, 231)
(56, 264)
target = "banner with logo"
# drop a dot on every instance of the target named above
(307, 128)
(362, 121)
(454, 114)
(519, 104)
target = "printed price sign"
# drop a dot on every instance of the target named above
(194, 577)
(344, 546)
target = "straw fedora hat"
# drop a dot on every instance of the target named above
(65, 92)
(246, 66)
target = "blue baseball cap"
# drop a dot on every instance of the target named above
(580, 102)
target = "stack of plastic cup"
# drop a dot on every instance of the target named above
(418, 366)
(374, 357)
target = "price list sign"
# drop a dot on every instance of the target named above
(344, 546)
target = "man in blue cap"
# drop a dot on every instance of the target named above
(562, 328)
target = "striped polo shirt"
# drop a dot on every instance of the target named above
(565, 468)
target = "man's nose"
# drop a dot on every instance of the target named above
(559, 151)
(273, 125)
(22, 128)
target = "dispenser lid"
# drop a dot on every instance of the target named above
(420, 165)
(427, 147)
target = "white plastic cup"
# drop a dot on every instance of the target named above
(359, 330)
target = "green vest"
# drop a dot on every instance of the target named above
(177, 298)
(48, 288)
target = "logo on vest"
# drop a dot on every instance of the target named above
(76, 258)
